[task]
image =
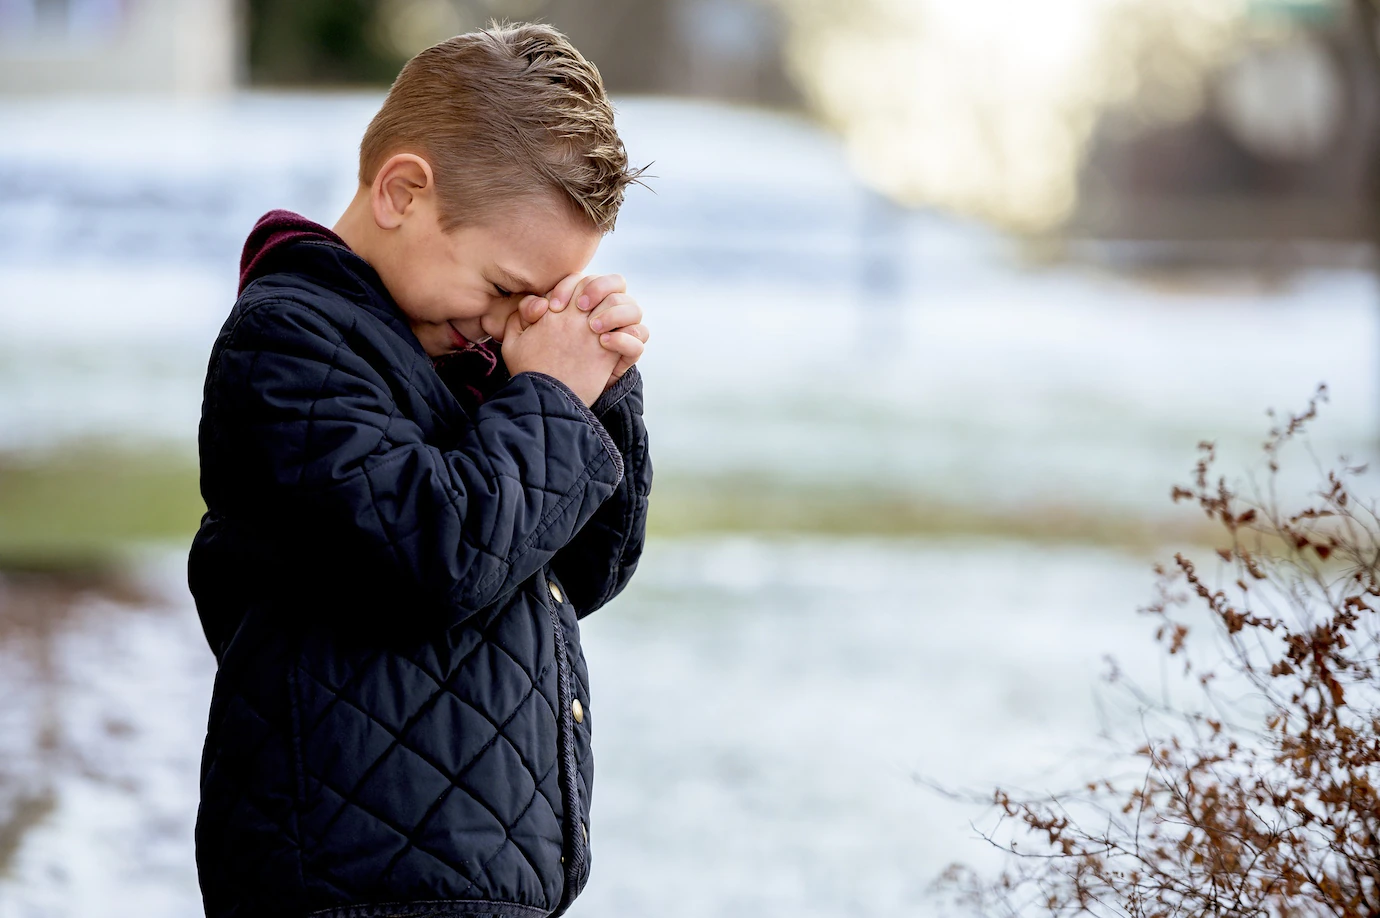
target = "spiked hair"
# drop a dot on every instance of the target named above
(505, 113)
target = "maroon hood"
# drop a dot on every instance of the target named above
(471, 373)
(274, 230)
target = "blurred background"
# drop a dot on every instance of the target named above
(944, 294)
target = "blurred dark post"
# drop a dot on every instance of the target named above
(317, 42)
(720, 49)
(1367, 24)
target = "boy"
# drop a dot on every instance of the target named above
(402, 529)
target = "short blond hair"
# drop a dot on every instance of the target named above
(508, 112)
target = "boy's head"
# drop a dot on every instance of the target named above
(493, 160)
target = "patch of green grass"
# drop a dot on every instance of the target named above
(83, 507)
(687, 507)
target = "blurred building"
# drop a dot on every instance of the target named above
(176, 46)
(724, 49)
(1280, 152)
(721, 49)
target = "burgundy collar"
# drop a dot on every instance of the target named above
(471, 373)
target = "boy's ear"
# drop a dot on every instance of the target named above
(401, 185)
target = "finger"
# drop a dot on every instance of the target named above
(621, 367)
(625, 345)
(608, 302)
(615, 314)
(563, 292)
(600, 286)
(577, 296)
(635, 329)
(512, 328)
(532, 308)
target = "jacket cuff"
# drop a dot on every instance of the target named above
(588, 415)
(614, 394)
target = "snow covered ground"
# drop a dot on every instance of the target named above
(761, 709)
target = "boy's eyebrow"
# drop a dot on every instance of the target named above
(514, 283)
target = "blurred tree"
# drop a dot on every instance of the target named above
(986, 107)
(315, 42)
(1274, 146)
(1367, 30)
(1264, 799)
(728, 49)
(1368, 34)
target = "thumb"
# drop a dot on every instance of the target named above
(512, 329)
(531, 308)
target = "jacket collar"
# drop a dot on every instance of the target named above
(336, 267)
(273, 232)
(283, 240)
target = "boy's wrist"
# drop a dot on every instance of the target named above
(615, 391)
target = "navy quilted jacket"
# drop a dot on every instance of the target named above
(390, 582)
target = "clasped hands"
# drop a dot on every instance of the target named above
(589, 347)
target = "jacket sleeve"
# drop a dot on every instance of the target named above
(325, 453)
(600, 560)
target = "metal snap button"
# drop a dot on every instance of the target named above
(578, 710)
(555, 591)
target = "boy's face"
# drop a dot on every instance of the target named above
(467, 282)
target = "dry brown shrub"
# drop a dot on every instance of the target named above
(1260, 803)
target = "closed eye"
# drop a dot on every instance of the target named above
(501, 292)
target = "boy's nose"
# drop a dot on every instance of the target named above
(494, 323)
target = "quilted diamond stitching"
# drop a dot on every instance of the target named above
(348, 797)
(487, 640)
(307, 436)
(359, 672)
(399, 737)
(402, 833)
(484, 868)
